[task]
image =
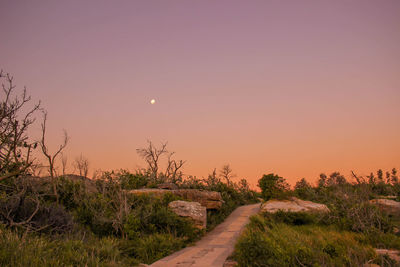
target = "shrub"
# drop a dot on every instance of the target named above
(273, 186)
(304, 190)
(150, 214)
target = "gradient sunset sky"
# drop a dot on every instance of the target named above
(291, 87)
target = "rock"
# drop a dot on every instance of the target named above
(208, 199)
(193, 210)
(230, 263)
(170, 186)
(387, 205)
(293, 205)
(393, 254)
(143, 265)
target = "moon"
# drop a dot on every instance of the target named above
(152, 101)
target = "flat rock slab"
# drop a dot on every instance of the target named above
(213, 249)
(293, 205)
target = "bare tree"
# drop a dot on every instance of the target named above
(21, 201)
(226, 173)
(15, 119)
(151, 155)
(51, 158)
(172, 171)
(64, 161)
(82, 164)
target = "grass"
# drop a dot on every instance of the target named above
(273, 240)
(34, 250)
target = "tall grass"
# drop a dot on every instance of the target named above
(278, 244)
(33, 250)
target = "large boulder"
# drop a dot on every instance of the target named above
(208, 199)
(293, 205)
(387, 205)
(193, 210)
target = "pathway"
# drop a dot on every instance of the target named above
(213, 249)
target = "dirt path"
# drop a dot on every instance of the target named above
(213, 249)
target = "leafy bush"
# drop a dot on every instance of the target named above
(150, 214)
(293, 218)
(273, 186)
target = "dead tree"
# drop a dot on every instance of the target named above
(64, 161)
(172, 172)
(51, 158)
(15, 119)
(82, 164)
(151, 155)
(226, 173)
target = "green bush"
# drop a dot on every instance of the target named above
(150, 214)
(273, 186)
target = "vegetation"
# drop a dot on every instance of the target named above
(345, 236)
(69, 220)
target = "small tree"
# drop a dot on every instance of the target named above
(371, 179)
(226, 173)
(51, 158)
(212, 179)
(152, 156)
(394, 178)
(273, 186)
(82, 164)
(15, 119)
(64, 161)
(322, 181)
(379, 173)
(336, 179)
(304, 190)
(172, 172)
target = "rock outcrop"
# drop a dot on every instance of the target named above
(293, 205)
(387, 205)
(208, 199)
(193, 210)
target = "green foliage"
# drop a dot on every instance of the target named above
(127, 180)
(153, 247)
(39, 251)
(304, 190)
(273, 186)
(308, 245)
(150, 214)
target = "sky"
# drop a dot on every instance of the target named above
(295, 88)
